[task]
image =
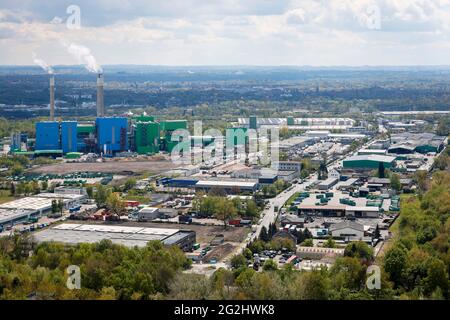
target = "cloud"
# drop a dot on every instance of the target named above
(230, 31)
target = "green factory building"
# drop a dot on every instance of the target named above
(368, 162)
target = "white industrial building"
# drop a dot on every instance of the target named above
(37, 205)
(347, 229)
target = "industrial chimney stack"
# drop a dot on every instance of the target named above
(52, 98)
(100, 103)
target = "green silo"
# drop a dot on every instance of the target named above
(147, 137)
(253, 121)
(290, 121)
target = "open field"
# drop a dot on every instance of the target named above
(123, 166)
(5, 196)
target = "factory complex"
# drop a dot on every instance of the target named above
(128, 236)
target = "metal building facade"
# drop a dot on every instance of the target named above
(147, 137)
(112, 134)
(69, 136)
(47, 136)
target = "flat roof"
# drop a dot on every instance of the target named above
(128, 236)
(371, 157)
(213, 183)
(7, 215)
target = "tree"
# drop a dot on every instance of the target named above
(441, 162)
(225, 210)
(360, 250)
(251, 209)
(238, 261)
(264, 236)
(330, 243)
(312, 285)
(381, 170)
(130, 184)
(44, 185)
(54, 206)
(12, 189)
(100, 196)
(270, 265)
(60, 205)
(376, 233)
(395, 262)
(307, 243)
(90, 191)
(395, 182)
(115, 204)
(16, 170)
(420, 178)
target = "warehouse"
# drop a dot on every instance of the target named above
(347, 229)
(128, 236)
(11, 216)
(368, 162)
(417, 142)
(328, 183)
(37, 205)
(230, 187)
(148, 214)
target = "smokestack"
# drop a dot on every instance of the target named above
(52, 98)
(100, 103)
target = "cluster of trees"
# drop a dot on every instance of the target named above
(270, 191)
(346, 279)
(223, 208)
(16, 164)
(418, 262)
(108, 271)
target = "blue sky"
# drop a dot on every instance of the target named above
(229, 32)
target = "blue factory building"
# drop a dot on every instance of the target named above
(112, 134)
(69, 136)
(48, 136)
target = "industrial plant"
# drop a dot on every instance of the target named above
(106, 135)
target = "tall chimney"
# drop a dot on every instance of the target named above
(100, 103)
(52, 98)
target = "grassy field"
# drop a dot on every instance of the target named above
(5, 196)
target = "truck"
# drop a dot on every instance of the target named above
(275, 209)
(234, 222)
(33, 219)
(75, 209)
(185, 219)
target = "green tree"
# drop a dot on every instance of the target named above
(330, 243)
(395, 182)
(238, 261)
(101, 195)
(307, 243)
(90, 192)
(360, 250)
(395, 261)
(130, 184)
(115, 204)
(270, 265)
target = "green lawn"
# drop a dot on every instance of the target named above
(5, 196)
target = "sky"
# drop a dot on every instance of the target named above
(225, 32)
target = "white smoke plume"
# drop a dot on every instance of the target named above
(41, 63)
(84, 57)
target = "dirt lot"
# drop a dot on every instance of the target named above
(110, 166)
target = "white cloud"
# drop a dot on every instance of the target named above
(316, 32)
